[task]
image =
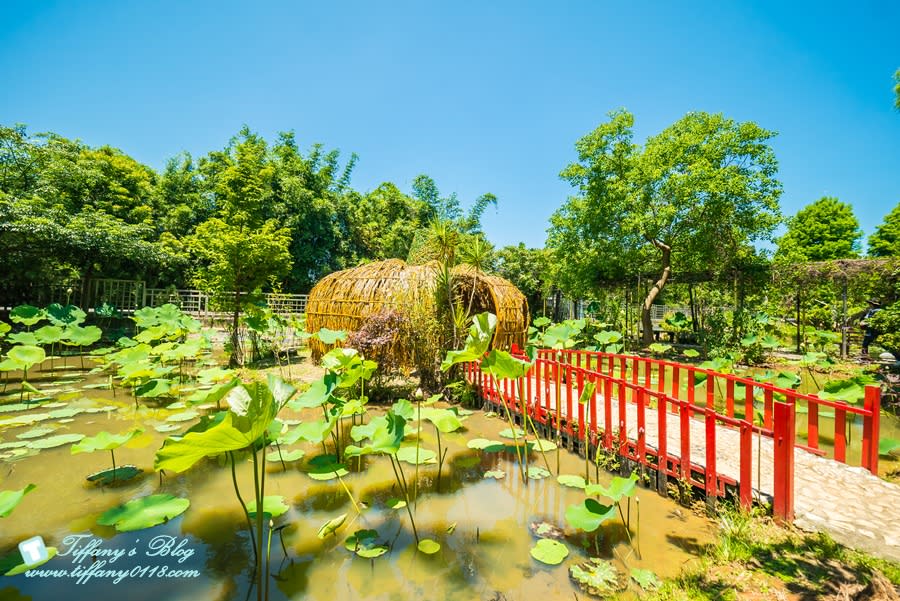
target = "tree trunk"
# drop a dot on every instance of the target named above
(235, 359)
(666, 264)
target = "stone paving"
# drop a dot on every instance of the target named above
(855, 507)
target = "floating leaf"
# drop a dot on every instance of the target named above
(483, 443)
(68, 412)
(646, 579)
(543, 445)
(451, 528)
(35, 433)
(658, 348)
(54, 441)
(595, 576)
(549, 551)
(414, 456)
(144, 512)
(537, 473)
(13, 445)
(167, 427)
(286, 456)
(396, 503)
(508, 433)
(273, 506)
(570, 480)
(331, 526)
(154, 388)
(122, 473)
(428, 546)
(23, 567)
(495, 474)
(690, 353)
(10, 498)
(184, 416)
(21, 420)
(444, 420)
(547, 530)
(365, 544)
(326, 467)
(27, 315)
(850, 390)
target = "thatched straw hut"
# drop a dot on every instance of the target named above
(344, 299)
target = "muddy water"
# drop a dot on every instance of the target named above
(482, 524)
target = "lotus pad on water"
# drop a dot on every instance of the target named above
(144, 512)
(549, 551)
(595, 577)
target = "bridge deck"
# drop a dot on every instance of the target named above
(855, 507)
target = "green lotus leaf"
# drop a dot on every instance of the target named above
(121, 473)
(658, 348)
(326, 467)
(15, 444)
(10, 365)
(537, 473)
(508, 433)
(82, 336)
(482, 443)
(54, 441)
(4, 328)
(286, 456)
(19, 407)
(409, 455)
(428, 546)
(183, 416)
(27, 355)
(850, 390)
(444, 420)
(10, 498)
(542, 445)
(22, 567)
(596, 577)
(331, 336)
(331, 526)
(24, 338)
(273, 506)
(222, 436)
(64, 315)
(405, 409)
(619, 487)
(571, 481)
(48, 334)
(503, 365)
(477, 342)
(690, 353)
(396, 503)
(589, 515)
(35, 433)
(385, 438)
(365, 544)
(67, 412)
(495, 474)
(24, 420)
(646, 579)
(316, 395)
(104, 441)
(549, 551)
(144, 512)
(27, 315)
(886, 446)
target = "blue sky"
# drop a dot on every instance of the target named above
(482, 96)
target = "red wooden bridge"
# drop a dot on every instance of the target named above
(693, 425)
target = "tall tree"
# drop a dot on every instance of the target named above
(824, 230)
(692, 195)
(885, 241)
(529, 270)
(897, 89)
(243, 247)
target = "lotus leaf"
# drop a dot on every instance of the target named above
(646, 579)
(10, 498)
(35, 433)
(286, 456)
(537, 473)
(571, 481)
(416, 455)
(365, 544)
(589, 515)
(48, 334)
(144, 512)
(54, 441)
(495, 474)
(595, 576)
(482, 443)
(444, 420)
(428, 546)
(477, 341)
(63, 315)
(331, 526)
(549, 551)
(104, 441)
(122, 473)
(22, 567)
(273, 506)
(619, 487)
(27, 355)
(27, 315)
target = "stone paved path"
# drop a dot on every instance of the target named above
(853, 506)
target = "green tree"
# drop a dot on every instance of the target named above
(824, 230)
(885, 241)
(529, 270)
(897, 90)
(692, 195)
(243, 247)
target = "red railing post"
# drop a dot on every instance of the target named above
(784, 434)
(685, 422)
(676, 382)
(662, 458)
(712, 477)
(812, 423)
(840, 433)
(729, 397)
(872, 404)
(746, 466)
(710, 391)
(607, 414)
(642, 402)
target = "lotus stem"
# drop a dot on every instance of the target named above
(113, 455)
(237, 491)
(258, 490)
(278, 446)
(268, 550)
(512, 429)
(418, 439)
(349, 494)
(528, 421)
(637, 502)
(440, 458)
(624, 523)
(401, 484)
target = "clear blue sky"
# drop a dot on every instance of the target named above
(482, 96)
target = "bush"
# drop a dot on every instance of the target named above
(887, 321)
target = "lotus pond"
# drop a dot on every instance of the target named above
(419, 500)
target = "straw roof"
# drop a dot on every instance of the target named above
(343, 300)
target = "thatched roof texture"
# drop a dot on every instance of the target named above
(344, 299)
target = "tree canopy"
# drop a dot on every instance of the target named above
(697, 194)
(885, 240)
(824, 230)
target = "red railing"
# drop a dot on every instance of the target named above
(625, 379)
